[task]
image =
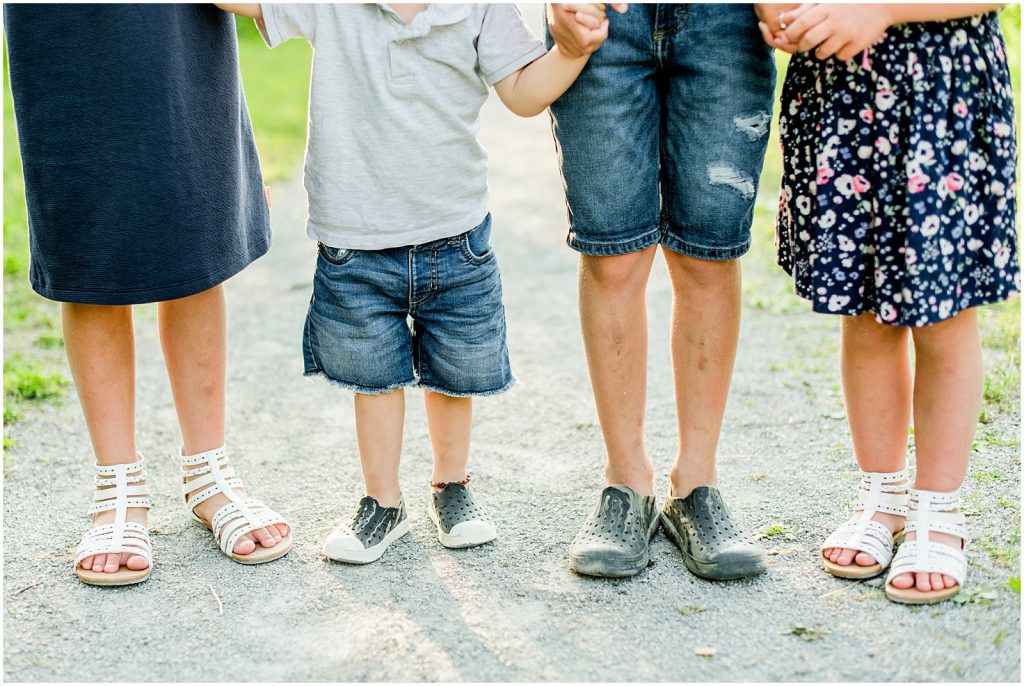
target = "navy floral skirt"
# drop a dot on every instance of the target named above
(899, 175)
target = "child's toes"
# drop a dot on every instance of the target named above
(265, 538)
(937, 581)
(86, 563)
(864, 560)
(846, 557)
(903, 581)
(949, 581)
(97, 562)
(136, 563)
(245, 545)
(924, 582)
(112, 563)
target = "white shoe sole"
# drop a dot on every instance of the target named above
(361, 557)
(464, 535)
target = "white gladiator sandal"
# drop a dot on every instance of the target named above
(242, 515)
(118, 487)
(878, 493)
(930, 511)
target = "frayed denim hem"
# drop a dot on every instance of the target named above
(468, 394)
(356, 388)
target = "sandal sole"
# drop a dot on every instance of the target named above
(118, 578)
(911, 596)
(851, 571)
(261, 554)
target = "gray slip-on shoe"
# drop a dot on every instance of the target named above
(460, 522)
(713, 542)
(372, 530)
(615, 538)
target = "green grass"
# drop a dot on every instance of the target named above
(277, 93)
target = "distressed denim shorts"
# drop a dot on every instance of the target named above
(426, 315)
(662, 137)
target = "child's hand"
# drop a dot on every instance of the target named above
(589, 15)
(577, 30)
(769, 21)
(840, 30)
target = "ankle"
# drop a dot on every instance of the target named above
(389, 497)
(681, 483)
(641, 481)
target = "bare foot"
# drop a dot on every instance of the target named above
(110, 563)
(848, 556)
(929, 581)
(268, 536)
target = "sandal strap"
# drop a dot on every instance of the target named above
(118, 487)
(100, 540)
(878, 493)
(213, 475)
(866, 536)
(933, 511)
(236, 519)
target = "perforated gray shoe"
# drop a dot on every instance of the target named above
(372, 530)
(713, 542)
(614, 540)
(460, 522)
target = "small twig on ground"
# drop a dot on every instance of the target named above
(220, 603)
(842, 591)
(32, 585)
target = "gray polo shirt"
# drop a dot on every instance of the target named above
(394, 109)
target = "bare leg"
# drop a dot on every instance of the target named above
(875, 365)
(613, 319)
(450, 421)
(100, 345)
(947, 399)
(193, 334)
(705, 333)
(379, 424)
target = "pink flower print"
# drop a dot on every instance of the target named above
(883, 145)
(960, 109)
(860, 184)
(954, 182)
(887, 312)
(824, 175)
(867, 115)
(918, 182)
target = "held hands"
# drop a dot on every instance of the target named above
(839, 30)
(580, 29)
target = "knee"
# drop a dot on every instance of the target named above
(616, 273)
(949, 335)
(864, 332)
(695, 273)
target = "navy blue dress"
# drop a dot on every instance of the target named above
(141, 175)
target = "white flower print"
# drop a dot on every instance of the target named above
(930, 226)
(836, 303)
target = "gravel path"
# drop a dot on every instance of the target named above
(509, 610)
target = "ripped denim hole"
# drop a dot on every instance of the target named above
(753, 125)
(723, 174)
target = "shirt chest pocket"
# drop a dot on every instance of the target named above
(444, 58)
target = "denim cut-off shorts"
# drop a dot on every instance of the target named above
(662, 137)
(425, 315)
